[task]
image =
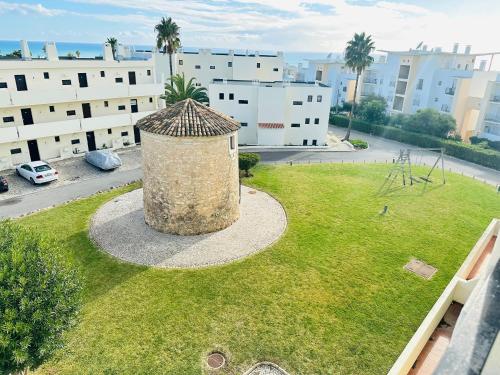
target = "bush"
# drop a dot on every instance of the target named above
(247, 161)
(485, 143)
(431, 122)
(372, 108)
(39, 299)
(359, 143)
(473, 153)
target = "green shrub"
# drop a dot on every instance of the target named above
(39, 299)
(248, 160)
(372, 108)
(359, 143)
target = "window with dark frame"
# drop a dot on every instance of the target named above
(121, 107)
(212, 66)
(258, 65)
(15, 151)
(103, 74)
(71, 113)
(57, 138)
(66, 82)
(197, 66)
(316, 121)
(51, 108)
(231, 142)
(118, 79)
(242, 101)
(244, 123)
(221, 96)
(297, 102)
(124, 134)
(309, 98)
(229, 64)
(110, 131)
(3, 85)
(8, 119)
(275, 70)
(148, 72)
(75, 141)
(181, 62)
(319, 98)
(295, 125)
(151, 100)
(231, 96)
(314, 142)
(308, 120)
(106, 103)
(46, 75)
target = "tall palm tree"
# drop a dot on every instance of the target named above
(357, 57)
(114, 44)
(178, 89)
(167, 37)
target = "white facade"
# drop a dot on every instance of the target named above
(57, 107)
(206, 66)
(334, 73)
(275, 113)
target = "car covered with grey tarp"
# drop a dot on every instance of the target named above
(103, 159)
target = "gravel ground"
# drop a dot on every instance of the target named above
(70, 171)
(118, 228)
(266, 368)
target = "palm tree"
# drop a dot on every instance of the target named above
(357, 57)
(113, 43)
(168, 38)
(178, 89)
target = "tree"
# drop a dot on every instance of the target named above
(178, 89)
(431, 122)
(77, 53)
(357, 57)
(248, 160)
(167, 37)
(40, 297)
(373, 109)
(114, 45)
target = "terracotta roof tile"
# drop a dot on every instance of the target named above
(188, 118)
(271, 125)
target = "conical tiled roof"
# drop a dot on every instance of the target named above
(188, 118)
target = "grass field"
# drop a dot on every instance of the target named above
(330, 297)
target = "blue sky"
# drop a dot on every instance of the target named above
(288, 25)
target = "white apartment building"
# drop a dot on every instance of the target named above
(206, 65)
(334, 73)
(57, 107)
(275, 113)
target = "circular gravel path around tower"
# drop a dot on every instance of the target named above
(118, 228)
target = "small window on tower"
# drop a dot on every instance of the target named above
(46, 75)
(221, 95)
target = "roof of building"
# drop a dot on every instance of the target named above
(267, 83)
(188, 118)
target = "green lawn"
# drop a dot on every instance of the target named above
(331, 297)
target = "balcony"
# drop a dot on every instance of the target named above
(492, 118)
(450, 91)
(494, 99)
(105, 122)
(48, 129)
(370, 81)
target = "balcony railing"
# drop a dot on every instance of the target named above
(495, 98)
(449, 91)
(372, 81)
(494, 119)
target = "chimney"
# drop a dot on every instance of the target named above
(25, 50)
(467, 49)
(51, 51)
(455, 48)
(482, 65)
(107, 52)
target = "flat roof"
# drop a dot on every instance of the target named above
(418, 52)
(268, 83)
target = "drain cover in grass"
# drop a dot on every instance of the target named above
(266, 368)
(420, 268)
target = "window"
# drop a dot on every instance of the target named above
(221, 95)
(231, 142)
(319, 98)
(458, 66)
(244, 123)
(197, 67)
(344, 89)
(57, 139)
(316, 121)
(308, 120)
(110, 131)
(51, 108)
(436, 99)
(229, 64)
(103, 74)
(231, 96)
(297, 102)
(212, 66)
(319, 75)
(106, 103)
(71, 113)
(3, 85)
(314, 142)
(309, 98)
(8, 119)
(420, 84)
(466, 66)
(124, 134)
(181, 62)
(15, 151)
(258, 65)
(66, 82)
(121, 107)
(75, 141)
(304, 142)
(148, 72)
(275, 70)
(243, 101)
(118, 79)
(440, 83)
(295, 125)
(151, 100)
(46, 75)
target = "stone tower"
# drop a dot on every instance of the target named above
(190, 163)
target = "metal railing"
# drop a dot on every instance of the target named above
(449, 91)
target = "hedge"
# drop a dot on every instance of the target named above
(475, 154)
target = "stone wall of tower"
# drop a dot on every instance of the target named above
(191, 184)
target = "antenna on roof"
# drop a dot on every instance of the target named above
(419, 45)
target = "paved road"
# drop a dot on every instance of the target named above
(380, 150)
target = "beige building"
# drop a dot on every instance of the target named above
(57, 107)
(190, 163)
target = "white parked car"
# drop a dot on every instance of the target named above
(37, 172)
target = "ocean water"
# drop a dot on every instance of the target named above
(95, 49)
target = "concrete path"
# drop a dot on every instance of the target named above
(118, 228)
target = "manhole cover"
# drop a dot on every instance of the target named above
(420, 268)
(216, 360)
